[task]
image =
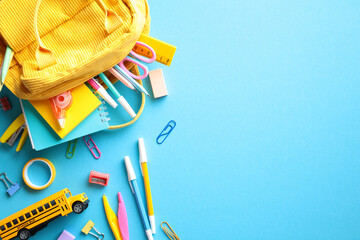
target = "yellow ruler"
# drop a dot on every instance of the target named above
(164, 51)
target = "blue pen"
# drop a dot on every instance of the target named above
(120, 98)
(131, 80)
(136, 192)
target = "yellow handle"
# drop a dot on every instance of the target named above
(45, 57)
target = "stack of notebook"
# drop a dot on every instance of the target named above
(85, 116)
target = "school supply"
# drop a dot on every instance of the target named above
(136, 85)
(68, 43)
(135, 190)
(42, 135)
(88, 227)
(9, 54)
(120, 98)
(112, 219)
(121, 78)
(164, 51)
(169, 231)
(84, 102)
(165, 132)
(99, 178)
(13, 188)
(102, 92)
(60, 104)
(133, 60)
(158, 83)
(5, 104)
(32, 219)
(122, 219)
(12, 133)
(145, 173)
(70, 151)
(91, 145)
(65, 235)
(26, 175)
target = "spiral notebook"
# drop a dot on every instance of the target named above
(42, 136)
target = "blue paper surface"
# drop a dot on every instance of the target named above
(266, 99)
(44, 136)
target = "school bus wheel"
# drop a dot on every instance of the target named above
(24, 234)
(78, 207)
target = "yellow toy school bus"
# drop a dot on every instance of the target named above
(28, 221)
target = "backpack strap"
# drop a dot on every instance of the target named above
(45, 57)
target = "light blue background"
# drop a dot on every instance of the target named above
(266, 99)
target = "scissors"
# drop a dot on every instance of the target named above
(141, 58)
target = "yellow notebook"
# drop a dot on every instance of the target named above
(84, 102)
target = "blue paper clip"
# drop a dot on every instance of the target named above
(14, 186)
(165, 132)
(91, 145)
(70, 152)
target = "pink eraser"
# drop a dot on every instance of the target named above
(66, 236)
(158, 83)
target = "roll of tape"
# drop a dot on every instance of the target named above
(26, 176)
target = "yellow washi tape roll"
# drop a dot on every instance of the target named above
(26, 176)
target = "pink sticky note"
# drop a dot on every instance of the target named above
(158, 83)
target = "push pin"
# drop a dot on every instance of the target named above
(87, 228)
(5, 104)
(14, 187)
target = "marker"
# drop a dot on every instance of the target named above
(9, 54)
(122, 219)
(102, 92)
(120, 98)
(112, 219)
(131, 80)
(121, 78)
(136, 192)
(145, 173)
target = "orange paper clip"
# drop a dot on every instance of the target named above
(91, 145)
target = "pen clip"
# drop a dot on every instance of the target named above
(131, 186)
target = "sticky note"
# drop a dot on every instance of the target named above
(66, 236)
(158, 83)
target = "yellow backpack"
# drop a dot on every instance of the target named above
(59, 44)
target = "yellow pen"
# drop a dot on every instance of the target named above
(112, 219)
(145, 173)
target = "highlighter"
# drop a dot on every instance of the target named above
(112, 219)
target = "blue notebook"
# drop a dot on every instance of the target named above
(42, 135)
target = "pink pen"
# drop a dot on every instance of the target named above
(121, 78)
(122, 219)
(102, 92)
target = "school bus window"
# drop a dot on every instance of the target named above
(67, 195)
(34, 212)
(8, 225)
(2, 228)
(21, 218)
(15, 221)
(27, 215)
(40, 209)
(53, 203)
(47, 206)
